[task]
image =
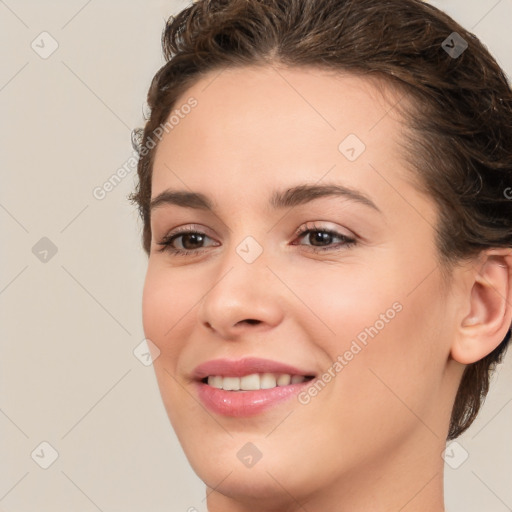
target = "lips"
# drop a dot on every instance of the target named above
(236, 403)
(246, 366)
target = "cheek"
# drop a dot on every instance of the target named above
(345, 303)
(167, 306)
(395, 377)
(390, 304)
(166, 302)
(390, 336)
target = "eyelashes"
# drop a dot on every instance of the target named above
(328, 235)
(185, 236)
(168, 241)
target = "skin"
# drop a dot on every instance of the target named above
(372, 439)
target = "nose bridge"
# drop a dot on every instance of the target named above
(245, 291)
(244, 266)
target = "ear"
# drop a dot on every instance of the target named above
(488, 313)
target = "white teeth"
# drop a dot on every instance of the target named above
(268, 381)
(250, 382)
(215, 381)
(231, 383)
(254, 381)
(284, 379)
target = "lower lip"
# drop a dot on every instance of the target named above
(246, 403)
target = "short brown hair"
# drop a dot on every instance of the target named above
(461, 142)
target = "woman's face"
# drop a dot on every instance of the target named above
(356, 301)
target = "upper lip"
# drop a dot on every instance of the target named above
(246, 366)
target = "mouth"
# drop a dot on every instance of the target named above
(249, 386)
(254, 381)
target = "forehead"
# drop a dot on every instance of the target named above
(254, 126)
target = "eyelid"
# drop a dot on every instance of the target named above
(165, 242)
(186, 228)
(313, 226)
(348, 240)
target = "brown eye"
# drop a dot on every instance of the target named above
(325, 239)
(191, 241)
(184, 242)
(320, 238)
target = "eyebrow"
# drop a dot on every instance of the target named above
(295, 196)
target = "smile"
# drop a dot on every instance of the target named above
(249, 386)
(254, 381)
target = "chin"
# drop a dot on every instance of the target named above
(239, 466)
(267, 486)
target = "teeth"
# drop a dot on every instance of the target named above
(268, 381)
(254, 381)
(231, 383)
(250, 382)
(284, 379)
(215, 382)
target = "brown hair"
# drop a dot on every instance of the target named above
(461, 129)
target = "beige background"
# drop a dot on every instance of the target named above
(69, 326)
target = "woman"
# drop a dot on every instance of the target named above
(323, 187)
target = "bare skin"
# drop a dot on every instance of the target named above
(372, 438)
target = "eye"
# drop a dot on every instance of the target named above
(322, 239)
(187, 242)
(184, 241)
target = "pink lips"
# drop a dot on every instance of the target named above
(246, 366)
(245, 403)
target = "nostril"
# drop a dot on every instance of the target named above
(251, 321)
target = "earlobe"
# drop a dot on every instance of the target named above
(489, 318)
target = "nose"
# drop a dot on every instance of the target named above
(245, 297)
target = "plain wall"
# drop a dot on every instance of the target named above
(69, 325)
